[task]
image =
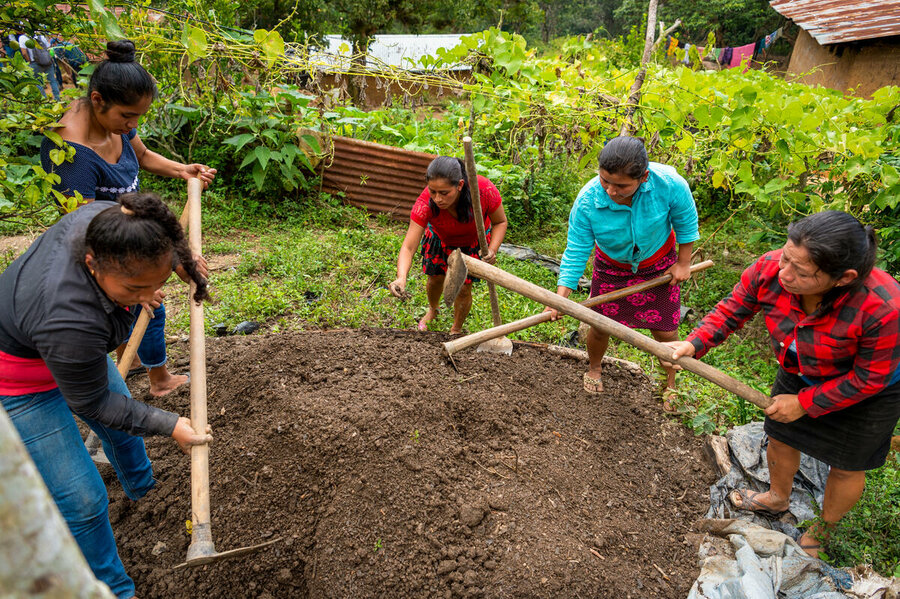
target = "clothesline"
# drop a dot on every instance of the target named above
(728, 57)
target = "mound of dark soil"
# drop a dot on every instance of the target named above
(387, 473)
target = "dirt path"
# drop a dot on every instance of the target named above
(389, 474)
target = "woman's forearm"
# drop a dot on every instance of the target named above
(160, 165)
(498, 232)
(404, 262)
(684, 253)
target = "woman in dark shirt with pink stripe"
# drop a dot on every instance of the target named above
(62, 309)
(834, 322)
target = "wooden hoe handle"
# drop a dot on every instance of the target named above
(199, 453)
(606, 325)
(472, 175)
(455, 345)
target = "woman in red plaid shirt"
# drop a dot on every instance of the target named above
(834, 322)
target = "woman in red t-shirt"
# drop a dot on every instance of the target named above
(442, 220)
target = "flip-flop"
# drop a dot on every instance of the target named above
(749, 504)
(592, 385)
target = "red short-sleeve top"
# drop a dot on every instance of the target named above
(450, 231)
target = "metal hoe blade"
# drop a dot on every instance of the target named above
(500, 345)
(455, 277)
(202, 553)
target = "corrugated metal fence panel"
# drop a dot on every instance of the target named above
(376, 177)
(838, 21)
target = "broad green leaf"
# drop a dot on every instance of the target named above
(259, 176)
(239, 141)
(271, 43)
(109, 28)
(195, 42)
(263, 154)
(718, 180)
(54, 137)
(889, 176)
(685, 143)
(312, 142)
(250, 157)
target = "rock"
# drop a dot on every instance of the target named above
(715, 448)
(470, 578)
(158, 548)
(284, 576)
(471, 515)
(445, 567)
(246, 328)
(221, 329)
(498, 503)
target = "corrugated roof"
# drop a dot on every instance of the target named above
(376, 177)
(402, 51)
(838, 21)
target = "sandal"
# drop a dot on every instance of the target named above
(592, 385)
(811, 544)
(668, 395)
(743, 500)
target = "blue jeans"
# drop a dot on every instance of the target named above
(152, 350)
(51, 436)
(50, 72)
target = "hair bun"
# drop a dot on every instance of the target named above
(120, 51)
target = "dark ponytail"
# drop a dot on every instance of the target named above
(119, 79)
(147, 232)
(453, 170)
(624, 156)
(836, 242)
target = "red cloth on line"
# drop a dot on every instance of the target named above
(21, 376)
(854, 347)
(451, 232)
(740, 53)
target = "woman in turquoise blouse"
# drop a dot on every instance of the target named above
(639, 219)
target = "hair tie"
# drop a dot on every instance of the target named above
(125, 210)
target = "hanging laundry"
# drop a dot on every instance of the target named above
(771, 39)
(725, 56)
(740, 53)
(673, 43)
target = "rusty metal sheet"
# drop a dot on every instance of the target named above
(839, 21)
(376, 177)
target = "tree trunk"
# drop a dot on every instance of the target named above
(38, 555)
(634, 93)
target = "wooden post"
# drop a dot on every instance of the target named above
(39, 558)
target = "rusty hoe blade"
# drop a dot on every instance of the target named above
(455, 277)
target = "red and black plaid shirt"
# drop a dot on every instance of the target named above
(852, 350)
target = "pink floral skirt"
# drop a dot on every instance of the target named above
(657, 309)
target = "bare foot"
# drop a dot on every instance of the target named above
(593, 384)
(164, 385)
(754, 501)
(430, 315)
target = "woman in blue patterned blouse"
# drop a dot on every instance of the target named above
(101, 127)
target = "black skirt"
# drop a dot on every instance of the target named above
(855, 438)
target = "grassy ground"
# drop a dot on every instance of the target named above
(326, 265)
